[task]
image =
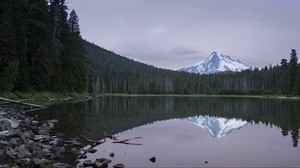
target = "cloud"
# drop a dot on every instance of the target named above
(178, 33)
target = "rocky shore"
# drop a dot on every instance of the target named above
(26, 142)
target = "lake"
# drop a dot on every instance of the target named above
(186, 131)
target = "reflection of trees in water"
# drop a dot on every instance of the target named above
(116, 114)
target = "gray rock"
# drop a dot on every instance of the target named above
(23, 153)
(37, 162)
(41, 138)
(87, 163)
(106, 162)
(13, 142)
(101, 160)
(98, 164)
(112, 154)
(34, 122)
(44, 129)
(4, 166)
(118, 165)
(54, 143)
(31, 146)
(9, 153)
(24, 162)
(61, 165)
(5, 125)
(90, 150)
(28, 135)
(83, 156)
(153, 159)
(39, 153)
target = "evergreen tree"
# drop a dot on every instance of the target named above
(297, 83)
(8, 51)
(293, 67)
(73, 23)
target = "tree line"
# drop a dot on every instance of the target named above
(40, 47)
(112, 73)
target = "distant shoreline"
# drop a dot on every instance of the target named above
(202, 95)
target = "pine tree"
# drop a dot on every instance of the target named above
(73, 23)
(8, 51)
(293, 67)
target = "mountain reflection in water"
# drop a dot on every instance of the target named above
(216, 126)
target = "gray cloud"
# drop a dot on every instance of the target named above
(177, 33)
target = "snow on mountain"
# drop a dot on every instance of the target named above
(217, 62)
(217, 127)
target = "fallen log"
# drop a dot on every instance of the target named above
(125, 141)
(91, 141)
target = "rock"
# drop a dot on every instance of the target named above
(8, 153)
(34, 122)
(31, 146)
(53, 121)
(4, 166)
(112, 154)
(83, 156)
(101, 160)
(118, 165)
(106, 161)
(54, 143)
(44, 129)
(61, 165)
(13, 142)
(206, 162)
(153, 159)
(37, 162)
(23, 153)
(39, 153)
(87, 163)
(44, 138)
(5, 125)
(98, 164)
(28, 135)
(44, 146)
(90, 150)
(76, 151)
(24, 162)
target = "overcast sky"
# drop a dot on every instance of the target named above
(178, 33)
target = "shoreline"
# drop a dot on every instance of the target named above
(27, 142)
(201, 95)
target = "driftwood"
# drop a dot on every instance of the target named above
(33, 107)
(91, 141)
(125, 141)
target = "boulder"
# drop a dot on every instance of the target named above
(23, 153)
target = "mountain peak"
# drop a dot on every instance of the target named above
(217, 62)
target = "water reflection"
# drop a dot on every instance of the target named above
(116, 114)
(216, 126)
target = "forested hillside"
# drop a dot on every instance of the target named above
(112, 73)
(40, 48)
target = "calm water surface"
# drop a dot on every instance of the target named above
(187, 131)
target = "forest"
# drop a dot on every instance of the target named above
(41, 49)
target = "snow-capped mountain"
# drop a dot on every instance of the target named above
(217, 62)
(217, 127)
